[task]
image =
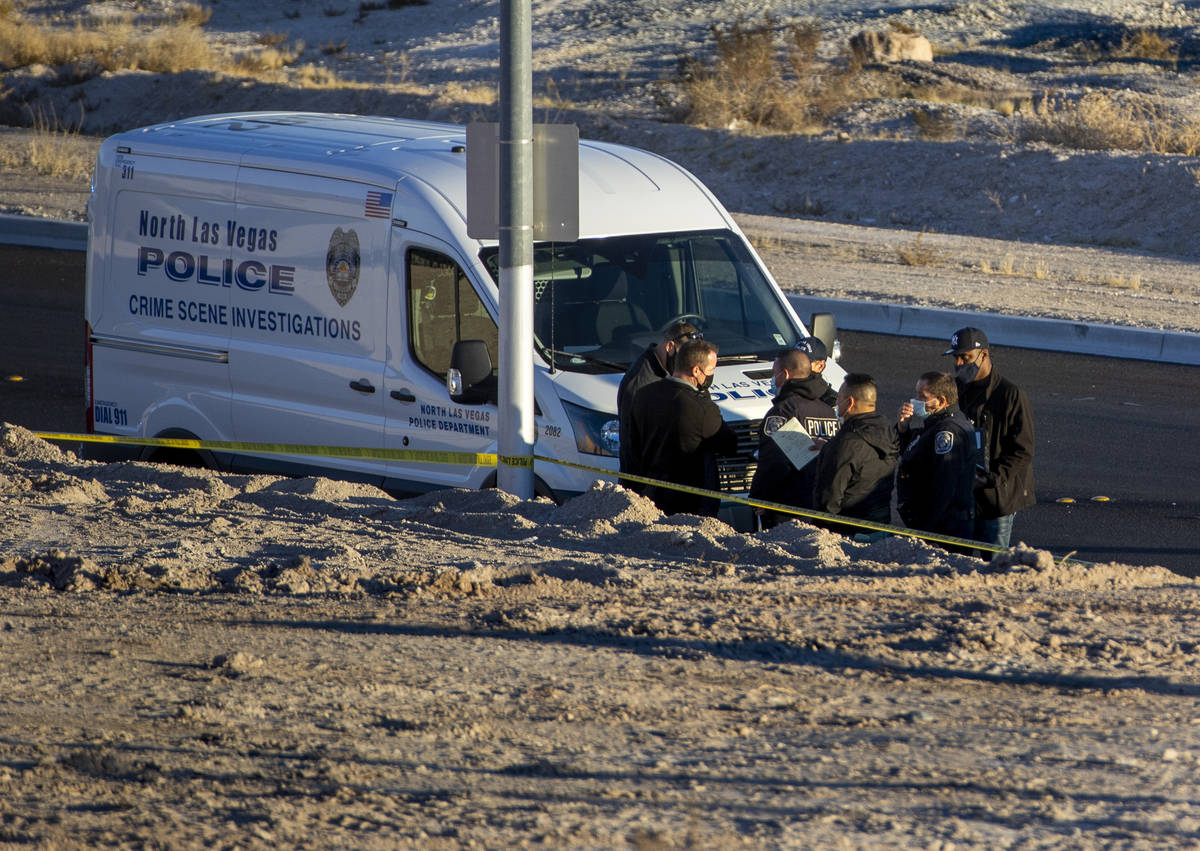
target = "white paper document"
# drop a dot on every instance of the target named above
(795, 443)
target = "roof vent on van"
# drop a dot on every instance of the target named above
(458, 149)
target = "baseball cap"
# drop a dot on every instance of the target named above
(966, 340)
(812, 347)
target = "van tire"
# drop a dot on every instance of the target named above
(201, 458)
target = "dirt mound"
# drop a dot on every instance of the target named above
(610, 503)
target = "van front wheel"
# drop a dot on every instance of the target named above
(179, 457)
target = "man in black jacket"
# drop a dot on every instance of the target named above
(818, 353)
(935, 479)
(855, 469)
(676, 432)
(657, 361)
(1003, 418)
(800, 395)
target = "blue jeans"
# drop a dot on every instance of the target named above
(994, 530)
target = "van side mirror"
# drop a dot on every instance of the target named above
(470, 380)
(824, 327)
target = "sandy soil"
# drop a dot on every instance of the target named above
(195, 659)
(202, 659)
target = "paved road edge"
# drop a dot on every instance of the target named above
(1022, 332)
(1058, 335)
(43, 233)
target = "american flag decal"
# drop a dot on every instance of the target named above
(378, 205)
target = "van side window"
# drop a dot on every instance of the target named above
(443, 308)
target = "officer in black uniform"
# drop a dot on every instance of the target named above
(804, 396)
(676, 432)
(657, 361)
(818, 354)
(935, 479)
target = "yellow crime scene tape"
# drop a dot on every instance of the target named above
(491, 459)
(421, 456)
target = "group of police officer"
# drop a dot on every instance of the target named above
(960, 454)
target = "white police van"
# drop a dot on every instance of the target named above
(286, 277)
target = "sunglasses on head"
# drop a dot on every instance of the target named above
(694, 335)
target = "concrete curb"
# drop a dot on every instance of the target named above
(43, 233)
(1056, 335)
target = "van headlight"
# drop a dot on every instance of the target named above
(596, 433)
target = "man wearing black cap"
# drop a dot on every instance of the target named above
(1003, 419)
(817, 353)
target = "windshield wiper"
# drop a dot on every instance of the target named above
(588, 358)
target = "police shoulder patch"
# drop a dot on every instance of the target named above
(771, 425)
(943, 442)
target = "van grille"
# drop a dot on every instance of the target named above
(735, 473)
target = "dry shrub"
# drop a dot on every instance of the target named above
(1148, 44)
(1122, 282)
(1098, 122)
(261, 59)
(935, 126)
(1006, 102)
(118, 45)
(54, 148)
(192, 14)
(111, 47)
(169, 50)
(917, 253)
(755, 81)
(310, 76)
(270, 39)
(455, 93)
(1145, 44)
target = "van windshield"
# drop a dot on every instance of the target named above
(598, 303)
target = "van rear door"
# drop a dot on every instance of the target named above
(307, 308)
(433, 305)
(157, 306)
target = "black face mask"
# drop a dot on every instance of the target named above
(670, 363)
(967, 372)
(706, 383)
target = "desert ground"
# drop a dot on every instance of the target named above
(202, 659)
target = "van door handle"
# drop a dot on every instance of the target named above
(403, 396)
(362, 386)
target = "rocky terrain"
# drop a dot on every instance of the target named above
(195, 659)
(246, 661)
(940, 193)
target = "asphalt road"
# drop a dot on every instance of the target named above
(1122, 429)
(1125, 430)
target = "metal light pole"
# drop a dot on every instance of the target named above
(517, 433)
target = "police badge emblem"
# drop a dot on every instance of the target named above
(341, 265)
(771, 425)
(943, 442)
